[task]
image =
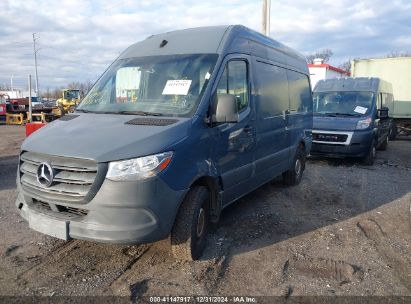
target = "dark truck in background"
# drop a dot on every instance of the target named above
(351, 117)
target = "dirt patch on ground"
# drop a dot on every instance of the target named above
(345, 230)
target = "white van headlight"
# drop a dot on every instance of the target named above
(363, 124)
(138, 168)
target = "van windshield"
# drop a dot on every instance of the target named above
(343, 103)
(169, 85)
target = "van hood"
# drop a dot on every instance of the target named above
(105, 137)
(335, 123)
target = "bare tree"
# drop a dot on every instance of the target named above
(84, 87)
(346, 65)
(5, 87)
(395, 54)
(325, 55)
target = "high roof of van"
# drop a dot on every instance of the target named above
(368, 84)
(217, 40)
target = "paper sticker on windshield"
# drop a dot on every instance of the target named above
(361, 110)
(177, 87)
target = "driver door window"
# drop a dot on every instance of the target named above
(234, 80)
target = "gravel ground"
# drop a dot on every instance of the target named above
(345, 230)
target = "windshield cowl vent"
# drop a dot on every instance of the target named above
(151, 122)
(68, 117)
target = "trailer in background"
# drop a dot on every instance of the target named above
(398, 72)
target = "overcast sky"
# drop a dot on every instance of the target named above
(78, 39)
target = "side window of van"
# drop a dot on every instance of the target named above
(271, 89)
(299, 90)
(235, 81)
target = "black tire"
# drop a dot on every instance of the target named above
(294, 175)
(188, 236)
(370, 157)
(393, 131)
(62, 110)
(71, 109)
(384, 144)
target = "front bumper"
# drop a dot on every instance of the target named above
(121, 212)
(358, 146)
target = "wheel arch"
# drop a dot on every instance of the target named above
(213, 185)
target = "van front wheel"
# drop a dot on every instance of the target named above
(368, 160)
(294, 175)
(188, 237)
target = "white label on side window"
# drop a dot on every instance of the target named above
(361, 110)
(177, 87)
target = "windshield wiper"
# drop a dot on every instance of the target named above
(347, 114)
(325, 114)
(141, 113)
(84, 111)
(96, 112)
(332, 114)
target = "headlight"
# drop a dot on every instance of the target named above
(363, 124)
(138, 168)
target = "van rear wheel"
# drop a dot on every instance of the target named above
(393, 131)
(188, 237)
(294, 175)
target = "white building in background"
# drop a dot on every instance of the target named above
(17, 93)
(319, 70)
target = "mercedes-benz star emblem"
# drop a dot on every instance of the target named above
(45, 174)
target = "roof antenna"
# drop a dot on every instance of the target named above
(163, 43)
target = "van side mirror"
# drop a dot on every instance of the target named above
(383, 113)
(224, 108)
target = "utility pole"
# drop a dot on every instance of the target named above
(266, 17)
(35, 64)
(11, 85)
(30, 104)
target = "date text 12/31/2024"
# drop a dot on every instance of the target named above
(203, 299)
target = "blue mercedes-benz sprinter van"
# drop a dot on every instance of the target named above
(181, 125)
(351, 117)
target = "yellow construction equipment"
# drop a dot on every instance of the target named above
(38, 117)
(70, 99)
(15, 119)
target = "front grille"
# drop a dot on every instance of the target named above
(41, 206)
(326, 137)
(45, 207)
(74, 211)
(75, 180)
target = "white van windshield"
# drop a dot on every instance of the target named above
(343, 103)
(157, 85)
